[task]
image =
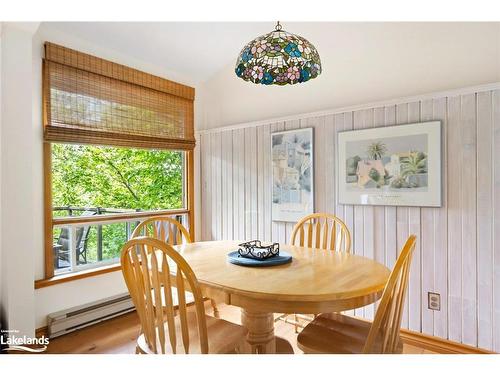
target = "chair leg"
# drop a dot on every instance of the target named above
(214, 308)
(295, 320)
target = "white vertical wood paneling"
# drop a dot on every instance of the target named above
(224, 219)
(250, 183)
(228, 144)
(266, 183)
(344, 122)
(454, 219)
(236, 191)
(248, 156)
(458, 249)
(402, 225)
(391, 246)
(358, 228)
(484, 220)
(427, 245)
(218, 183)
(368, 220)
(254, 179)
(260, 182)
(239, 150)
(330, 159)
(205, 179)
(414, 289)
(441, 234)
(496, 220)
(214, 197)
(338, 123)
(468, 198)
(349, 209)
(321, 145)
(379, 211)
(379, 229)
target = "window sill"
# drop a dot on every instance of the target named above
(59, 279)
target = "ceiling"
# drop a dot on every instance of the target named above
(193, 49)
(197, 51)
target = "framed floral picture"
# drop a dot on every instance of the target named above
(292, 174)
(391, 166)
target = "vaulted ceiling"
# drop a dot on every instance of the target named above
(199, 50)
(193, 49)
(362, 62)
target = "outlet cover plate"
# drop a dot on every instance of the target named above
(434, 301)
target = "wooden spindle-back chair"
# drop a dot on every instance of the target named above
(337, 333)
(171, 231)
(163, 228)
(322, 231)
(150, 267)
(319, 231)
(387, 323)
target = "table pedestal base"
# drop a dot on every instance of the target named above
(261, 339)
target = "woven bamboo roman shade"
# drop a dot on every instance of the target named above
(91, 100)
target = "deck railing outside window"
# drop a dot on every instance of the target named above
(79, 246)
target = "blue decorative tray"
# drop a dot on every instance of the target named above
(282, 258)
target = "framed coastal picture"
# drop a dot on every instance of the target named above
(292, 174)
(390, 166)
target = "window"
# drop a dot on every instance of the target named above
(118, 149)
(89, 181)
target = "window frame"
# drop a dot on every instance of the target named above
(50, 221)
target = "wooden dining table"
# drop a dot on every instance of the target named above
(316, 281)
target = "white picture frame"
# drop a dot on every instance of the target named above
(391, 166)
(292, 159)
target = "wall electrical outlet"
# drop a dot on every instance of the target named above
(434, 301)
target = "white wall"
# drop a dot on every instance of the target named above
(75, 293)
(17, 141)
(362, 63)
(458, 246)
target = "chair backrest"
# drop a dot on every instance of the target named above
(384, 332)
(322, 231)
(163, 228)
(150, 268)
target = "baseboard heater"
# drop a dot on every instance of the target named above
(70, 320)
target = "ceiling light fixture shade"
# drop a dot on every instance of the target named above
(278, 58)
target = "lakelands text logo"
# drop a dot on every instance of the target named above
(23, 343)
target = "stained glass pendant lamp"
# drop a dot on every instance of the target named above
(278, 58)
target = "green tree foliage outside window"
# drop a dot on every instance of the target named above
(113, 177)
(116, 179)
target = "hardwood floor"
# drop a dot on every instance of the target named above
(118, 336)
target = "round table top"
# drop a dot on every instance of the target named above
(313, 275)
